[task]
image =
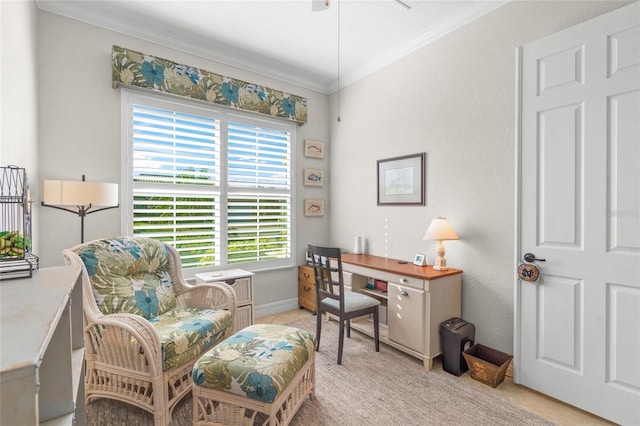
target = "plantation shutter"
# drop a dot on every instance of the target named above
(259, 193)
(176, 182)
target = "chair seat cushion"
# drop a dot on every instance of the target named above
(257, 362)
(352, 302)
(187, 332)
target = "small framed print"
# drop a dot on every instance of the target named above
(313, 149)
(314, 207)
(420, 259)
(313, 177)
(401, 180)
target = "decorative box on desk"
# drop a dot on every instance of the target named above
(418, 300)
(242, 283)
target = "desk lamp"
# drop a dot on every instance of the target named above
(440, 230)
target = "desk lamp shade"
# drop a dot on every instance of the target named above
(440, 230)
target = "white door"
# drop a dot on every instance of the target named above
(577, 330)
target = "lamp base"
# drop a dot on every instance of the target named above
(440, 264)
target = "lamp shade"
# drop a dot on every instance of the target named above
(440, 229)
(80, 193)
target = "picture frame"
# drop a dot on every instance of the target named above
(313, 148)
(314, 177)
(420, 259)
(314, 207)
(401, 180)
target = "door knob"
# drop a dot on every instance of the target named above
(530, 257)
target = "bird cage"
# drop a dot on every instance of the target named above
(16, 258)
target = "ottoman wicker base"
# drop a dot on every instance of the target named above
(261, 373)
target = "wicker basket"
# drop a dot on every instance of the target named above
(486, 364)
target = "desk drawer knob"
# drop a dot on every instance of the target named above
(404, 293)
(404, 280)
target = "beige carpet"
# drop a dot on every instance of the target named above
(385, 388)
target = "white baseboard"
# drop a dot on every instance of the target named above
(275, 308)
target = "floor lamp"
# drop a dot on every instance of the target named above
(80, 198)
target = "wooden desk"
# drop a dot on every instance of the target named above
(417, 301)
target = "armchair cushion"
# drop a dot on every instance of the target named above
(186, 332)
(129, 275)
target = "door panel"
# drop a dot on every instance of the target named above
(624, 50)
(578, 328)
(560, 180)
(623, 368)
(624, 172)
(559, 322)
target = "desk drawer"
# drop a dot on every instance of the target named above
(389, 277)
(305, 275)
(406, 316)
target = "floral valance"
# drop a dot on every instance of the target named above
(136, 69)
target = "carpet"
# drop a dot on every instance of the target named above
(385, 388)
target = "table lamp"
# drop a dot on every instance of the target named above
(82, 196)
(440, 230)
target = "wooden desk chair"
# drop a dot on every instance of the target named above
(332, 297)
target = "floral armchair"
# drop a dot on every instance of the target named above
(144, 325)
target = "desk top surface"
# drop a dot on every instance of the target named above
(30, 309)
(397, 266)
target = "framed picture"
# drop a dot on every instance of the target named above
(314, 207)
(313, 149)
(313, 177)
(401, 180)
(420, 259)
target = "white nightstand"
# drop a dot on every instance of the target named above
(242, 283)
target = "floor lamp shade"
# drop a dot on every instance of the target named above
(80, 197)
(76, 193)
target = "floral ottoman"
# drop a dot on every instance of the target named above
(263, 368)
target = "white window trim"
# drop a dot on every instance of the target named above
(199, 108)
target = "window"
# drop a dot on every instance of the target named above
(215, 184)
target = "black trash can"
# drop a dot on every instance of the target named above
(456, 335)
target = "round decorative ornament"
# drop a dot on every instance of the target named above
(528, 272)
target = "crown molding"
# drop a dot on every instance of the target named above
(103, 15)
(457, 21)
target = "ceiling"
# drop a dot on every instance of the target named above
(284, 39)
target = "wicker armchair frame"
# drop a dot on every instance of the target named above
(123, 354)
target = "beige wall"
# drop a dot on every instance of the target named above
(454, 100)
(18, 91)
(80, 133)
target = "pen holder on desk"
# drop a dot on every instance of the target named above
(359, 246)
